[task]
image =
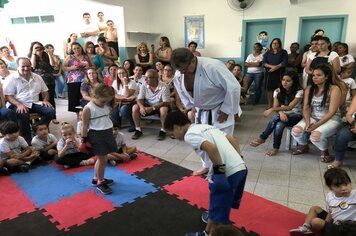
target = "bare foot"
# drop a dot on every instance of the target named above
(256, 142)
(201, 171)
(335, 164)
(272, 152)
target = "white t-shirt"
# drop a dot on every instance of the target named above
(99, 117)
(120, 140)
(17, 145)
(132, 85)
(160, 94)
(298, 107)
(88, 28)
(331, 56)
(199, 133)
(72, 148)
(39, 144)
(335, 204)
(344, 60)
(25, 91)
(252, 58)
(351, 85)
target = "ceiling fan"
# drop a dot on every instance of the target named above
(240, 5)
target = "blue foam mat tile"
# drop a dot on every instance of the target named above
(126, 188)
(33, 183)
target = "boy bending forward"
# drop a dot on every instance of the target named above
(227, 176)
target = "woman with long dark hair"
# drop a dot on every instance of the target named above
(274, 60)
(287, 107)
(321, 116)
(42, 64)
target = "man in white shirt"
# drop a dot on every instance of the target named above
(153, 98)
(22, 90)
(90, 31)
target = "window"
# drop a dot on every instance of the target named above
(47, 19)
(17, 20)
(32, 19)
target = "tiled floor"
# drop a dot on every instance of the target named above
(293, 181)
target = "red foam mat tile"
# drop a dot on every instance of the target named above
(77, 209)
(13, 200)
(255, 214)
(142, 162)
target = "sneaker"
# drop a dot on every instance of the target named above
(104, 188)
(205, 217)
(112, 162)
(197, 234)
(24, 168)
(4, 171)
(137, 134)
(161, 135)
(301, 230)
(106, 181)
(133, 156)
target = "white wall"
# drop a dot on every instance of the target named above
(68, 19)
(222, 25)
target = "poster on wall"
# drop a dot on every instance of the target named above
(194, 30)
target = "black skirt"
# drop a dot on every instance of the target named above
(103, 141)
(74, 96)
(274, 79)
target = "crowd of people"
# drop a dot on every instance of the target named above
(311, 91)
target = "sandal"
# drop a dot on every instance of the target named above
(300, 150)
(272, 152)
(256, 142)
(335, 164)
(325, 157)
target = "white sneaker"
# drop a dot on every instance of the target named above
(301, 230)
(113, 162)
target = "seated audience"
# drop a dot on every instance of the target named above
(88, 85)
(125, 90)
(129, 66)
(22, 90)
(159, 68)
(112, 75)
(153, 98)
(345, 76)
(237, 72)
(230, 64)
(321, 117)
(16, 153)
(288, 108)
(339, 206)
(69, 154)
(4, 71)
(125, 153)
(138, 77)
(344, 135)
(43, 141)
(10, 60)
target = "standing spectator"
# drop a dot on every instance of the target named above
(57, 71)
(10, 60)
(255, 71)
(42, 64)
(129, 66)
(68, 46)
(193, 48)
(108, 53)
(294, 58)
(97, 59)
(22, 90)
(75, 64)
(274, 60)
(101, 24)
(144, 57)
(324, 55)
(164, 52)
(111, 36)
(309, 51)
(89, 31)
(346, 59)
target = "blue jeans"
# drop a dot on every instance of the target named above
(124, 111)
(47, 114)
(8, 114)
(257, 77)
(59, 85)
(276, 125)
(343, 136)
